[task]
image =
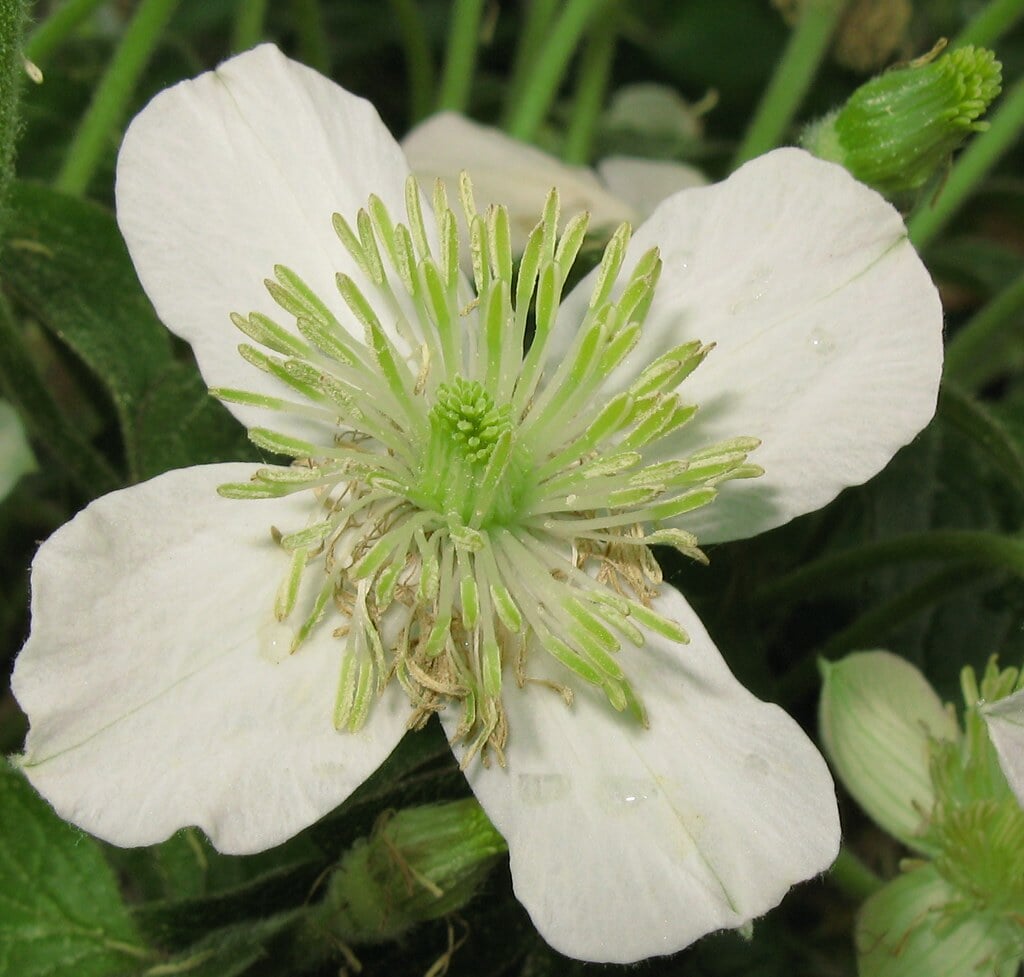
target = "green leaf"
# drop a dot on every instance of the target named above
(65, 264)
(16, 458)
(12, 75)
(177, 423)
(60, 909)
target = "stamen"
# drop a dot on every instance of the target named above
(482, 500)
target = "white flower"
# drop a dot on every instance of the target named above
(1005, 720)
(157, 677)
(520, 176)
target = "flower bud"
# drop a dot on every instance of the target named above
(897, 129)
(906, 930)
(418, 864)
(877, 716)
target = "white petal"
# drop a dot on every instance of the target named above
(625, 842)
(506, 171)
(644, 183)
(828, 331)
(153, 678)
(222, 177)
(1005, 719)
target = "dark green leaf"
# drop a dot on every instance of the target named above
(65, 263)
(177, 423)
(60, 909)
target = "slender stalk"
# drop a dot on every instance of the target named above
(309, 25)
(793, 75)
(43, 419)
(538, 19)
(112, 95)
(460, 57)
(550, 66)
(419, 64)
(49, 34)
(977, 547)
(976, 352)
(591, 86)
(247, 28)
(852, 877)
(971, 168)
(990, 23)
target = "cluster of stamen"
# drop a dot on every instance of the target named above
(475, 502)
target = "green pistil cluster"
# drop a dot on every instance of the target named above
(465, 416)
(975, 835)
(467, 432)
(898, 129)
(473, 504)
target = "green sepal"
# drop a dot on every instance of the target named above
(898, 129)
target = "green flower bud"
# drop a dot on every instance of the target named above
(975, 835)
(877, 716)
(419, 864)
(906, 930)
(897, 129)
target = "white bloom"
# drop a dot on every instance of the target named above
(519, 176)
(157, 677)
(1005, 719)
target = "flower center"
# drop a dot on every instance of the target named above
(474, 505)
(467, 429)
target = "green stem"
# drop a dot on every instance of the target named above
(43, 419)
(113, 94)
(550, 66)
(591, 86)
(247, 27)
(793, 75)
(970, 169)
(852, 877)
(989, 24)
(971, 546)
(977, 350)
(309, 25)
(460, 58)
(48, 35)
(984, 430)
(418, 63)
(539, 16)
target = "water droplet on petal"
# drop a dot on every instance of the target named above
(275, 641)
(821, 342)
(620, 794)
(541, 788)
(756, 764)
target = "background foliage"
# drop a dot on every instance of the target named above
(926, 560)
